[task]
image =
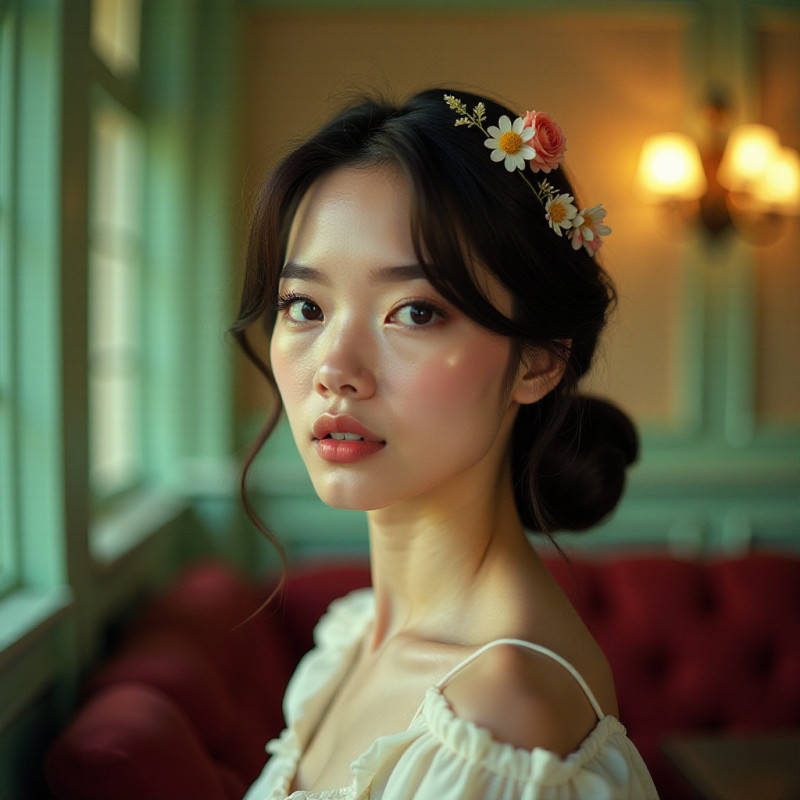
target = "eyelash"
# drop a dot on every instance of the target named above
(287, 299)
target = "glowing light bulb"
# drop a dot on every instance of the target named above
(750, 149)
(670, 168)
(779, 186)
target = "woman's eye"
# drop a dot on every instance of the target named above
(299, 309)
(417, 314)
(305, 311)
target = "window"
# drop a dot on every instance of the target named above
(115, 266)
(117, 171)
(87, 366)
(115, 34)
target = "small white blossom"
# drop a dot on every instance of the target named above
(507, 141)
(561, 214)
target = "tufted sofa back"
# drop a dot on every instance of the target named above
(694, 646)
(185, 705)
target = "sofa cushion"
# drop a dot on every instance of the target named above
(131, 741)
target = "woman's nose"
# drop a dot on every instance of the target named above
(344, 369)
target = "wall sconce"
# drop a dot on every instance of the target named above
(745, 180)
(670, 168)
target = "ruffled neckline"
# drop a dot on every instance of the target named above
(337, 637)
(473, 742)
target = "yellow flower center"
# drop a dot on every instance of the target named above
(557, 212)
(511, 143)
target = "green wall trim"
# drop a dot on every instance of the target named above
(740, 362)
(688, 372)
(693, 497)
(704, 526)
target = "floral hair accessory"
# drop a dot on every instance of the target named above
(538, 140)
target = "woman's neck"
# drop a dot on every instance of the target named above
(441, 564)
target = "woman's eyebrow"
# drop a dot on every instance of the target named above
(291, 269)
(404, 272)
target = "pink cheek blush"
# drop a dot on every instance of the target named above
(469, 378)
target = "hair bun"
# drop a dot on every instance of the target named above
(581, 474)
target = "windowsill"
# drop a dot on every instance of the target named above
(25, 613)
(133, 521)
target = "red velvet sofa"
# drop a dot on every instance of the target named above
(186, 703)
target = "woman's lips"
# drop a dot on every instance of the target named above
(346, 452)
(340, 449)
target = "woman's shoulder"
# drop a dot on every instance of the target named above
(529, 697)
(513, 721)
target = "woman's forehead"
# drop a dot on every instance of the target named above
(357, 210)
(359, 217)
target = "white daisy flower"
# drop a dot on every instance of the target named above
(508, 143)
(561, 214)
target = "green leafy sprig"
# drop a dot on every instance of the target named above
(476, 118)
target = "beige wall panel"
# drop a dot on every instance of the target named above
(609, 82)
(778, 329)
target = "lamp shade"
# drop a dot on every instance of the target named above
(670, 169)
(779, 186)
(749, 151)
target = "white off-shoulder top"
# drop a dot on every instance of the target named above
(440, 755)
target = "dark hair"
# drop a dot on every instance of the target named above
(569, 452)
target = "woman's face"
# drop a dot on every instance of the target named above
(364, 346)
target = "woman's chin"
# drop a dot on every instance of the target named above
(345, 505)
(348, 499)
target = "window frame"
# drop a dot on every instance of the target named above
(77, 564)
(9, 567)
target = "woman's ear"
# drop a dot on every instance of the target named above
(540, 371)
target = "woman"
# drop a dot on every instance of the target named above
(432, 298)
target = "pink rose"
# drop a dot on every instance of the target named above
(548, 141)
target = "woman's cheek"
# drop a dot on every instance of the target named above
(466, 377)
(288, 366)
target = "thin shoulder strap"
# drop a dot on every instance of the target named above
(538, 649)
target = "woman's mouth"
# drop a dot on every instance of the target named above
(346, 448)
(341, 439)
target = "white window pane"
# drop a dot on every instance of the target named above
(117, 171)
(115, 453)
(115, 33)
(114, 297)
(113, 304)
